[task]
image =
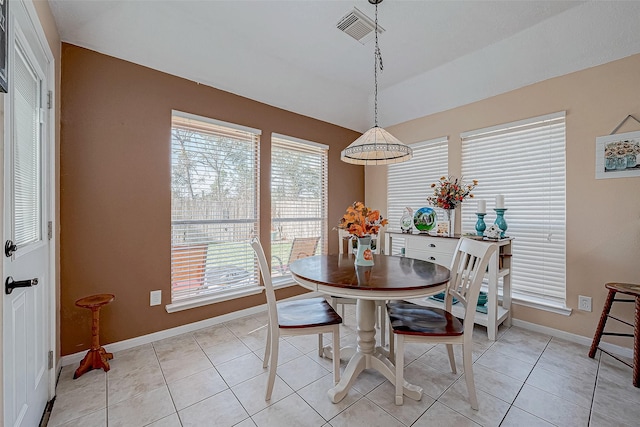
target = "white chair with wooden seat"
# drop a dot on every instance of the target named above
(298, 317)
(415, 323)
(345, 240)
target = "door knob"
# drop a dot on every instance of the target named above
(10, 284)
(9, 248)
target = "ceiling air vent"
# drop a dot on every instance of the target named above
(358, 25)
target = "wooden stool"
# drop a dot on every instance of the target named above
(97, 356)
(634, 291)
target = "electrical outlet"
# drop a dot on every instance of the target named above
(155, 298)
(584, 303)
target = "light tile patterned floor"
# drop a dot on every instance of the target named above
(214, 377)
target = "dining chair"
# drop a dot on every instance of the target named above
(345, 240)
(301, 247)
(415, 323)
(298, 317)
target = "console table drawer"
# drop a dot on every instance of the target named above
(440, 258)
(432, 244)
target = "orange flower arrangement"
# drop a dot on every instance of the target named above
(361, 221)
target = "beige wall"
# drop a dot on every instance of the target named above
(603, 216)
(115, 188)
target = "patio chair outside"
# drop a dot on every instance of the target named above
(301, 247)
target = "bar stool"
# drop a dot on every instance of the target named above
(97, 356)
(634, 291)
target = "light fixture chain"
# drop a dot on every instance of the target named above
(377, 63)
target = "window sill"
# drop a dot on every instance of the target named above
(283, 282)
(212, 299)
(541, 304)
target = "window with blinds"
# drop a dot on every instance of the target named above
(408, 182)
(27, 156)
(299, 181)
(524, 161)
(214, 206)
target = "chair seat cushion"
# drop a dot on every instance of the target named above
(306, 313)
(411, 319)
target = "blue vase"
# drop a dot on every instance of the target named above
(480, 225)
(500, 222)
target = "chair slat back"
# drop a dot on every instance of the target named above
(266, 279)
(469, 264)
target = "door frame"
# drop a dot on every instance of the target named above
(51, 208)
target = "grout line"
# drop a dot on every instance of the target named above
(593, 395)
(525, 382)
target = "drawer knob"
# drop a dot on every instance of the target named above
(432, 245)
(432, 258)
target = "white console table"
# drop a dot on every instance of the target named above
(439, 249)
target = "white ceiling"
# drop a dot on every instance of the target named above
(437, 54)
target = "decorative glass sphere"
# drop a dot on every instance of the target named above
(424, 219)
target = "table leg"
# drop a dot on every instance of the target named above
(345, 352)
(368, 357)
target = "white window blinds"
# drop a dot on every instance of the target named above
(214, 206)
(27, 162)
(299, 179)
(524, 161)
(408, 183)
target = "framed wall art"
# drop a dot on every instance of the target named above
(618, 155)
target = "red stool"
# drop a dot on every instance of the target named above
(634, 291)
(97, 356)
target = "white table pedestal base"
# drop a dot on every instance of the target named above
(367, 356)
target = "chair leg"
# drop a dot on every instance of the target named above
(452, 358)
(342, 314)
(467, 362)
(267, 348)
(382, 316)
(603, 320)
(636, 346)
(273, 364)
(336, 354)
(320, 345)
(392, 350)
(400, 370)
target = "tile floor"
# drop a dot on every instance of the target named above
(214, 377)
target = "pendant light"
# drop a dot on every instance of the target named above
(376, 146)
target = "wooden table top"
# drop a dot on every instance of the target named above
(390, 273)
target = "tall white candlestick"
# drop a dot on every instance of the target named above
(482, 206)
(500, 201)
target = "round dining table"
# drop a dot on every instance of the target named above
(391, 277)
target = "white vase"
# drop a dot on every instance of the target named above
(450, 215)
(364, 255)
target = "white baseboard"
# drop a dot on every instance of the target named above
(168, 333)
(71, 359)
(578, 339)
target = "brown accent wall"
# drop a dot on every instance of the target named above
(115, 188)
(603, 216)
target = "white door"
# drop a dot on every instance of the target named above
(26, 314)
